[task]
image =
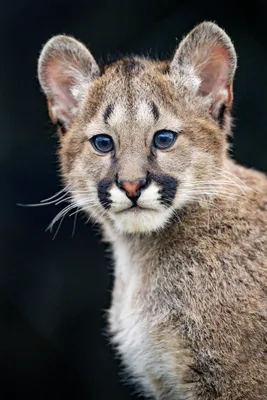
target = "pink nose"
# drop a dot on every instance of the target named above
(132, 188)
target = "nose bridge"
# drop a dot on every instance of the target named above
(132, 166)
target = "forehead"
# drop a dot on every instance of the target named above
(133, 99)
(130, 84)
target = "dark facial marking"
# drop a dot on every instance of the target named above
(128, 66)
(168, 187)
(221, 115)
(61, 127)
(107, 112)
(155, 111)
(103, 195)
(131, 65)
(165, 67)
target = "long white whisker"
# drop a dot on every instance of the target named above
(55, 195)
(59, 225)
(224, 171)
(45, 202)
(212, 181)
(74, 223)
(215, 186)
(218, 193)
(58, 216)
(54, 199)
(37, 204)
(216, 183)
(64, 200)
(234, 183)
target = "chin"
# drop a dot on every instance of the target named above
(140, 221)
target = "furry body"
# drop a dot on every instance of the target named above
(143, 151)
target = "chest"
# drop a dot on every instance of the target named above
(126, 316)
(134, 330)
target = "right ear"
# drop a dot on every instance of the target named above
(207, 54)
(65, 70)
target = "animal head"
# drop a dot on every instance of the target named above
(139, 138)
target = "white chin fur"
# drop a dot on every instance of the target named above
(145, 221)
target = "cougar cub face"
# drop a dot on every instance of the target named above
(139, 136)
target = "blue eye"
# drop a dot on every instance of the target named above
(164, 139)
(103, 143)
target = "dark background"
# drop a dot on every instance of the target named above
(53, 293)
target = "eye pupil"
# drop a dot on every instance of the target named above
(102, 143)
(164, 139)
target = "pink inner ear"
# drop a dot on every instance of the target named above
(60, 83)
(214, 72)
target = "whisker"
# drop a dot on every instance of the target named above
(212, 181)
(63, 200)
(75, 212)
(58, 216)
(74, 223)
(44, 202)
(37, 204)
(224, 171)
(59, 225)
(217, 183)
(55, 195)
(212, 193)
(54, 200)
(234, 183)
(211, 185)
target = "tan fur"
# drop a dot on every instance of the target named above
(189, 305)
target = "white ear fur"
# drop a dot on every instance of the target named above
(65, 69)
(207, 54)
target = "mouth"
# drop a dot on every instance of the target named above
(134, 209)
(136, 219)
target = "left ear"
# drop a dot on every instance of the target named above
(208, 53)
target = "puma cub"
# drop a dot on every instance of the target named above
(143, 151)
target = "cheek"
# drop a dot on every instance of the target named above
(175, 162)
(97, 166)
(85, 165)
(203, 164)
(177, 158)
(82, 182)
(72, 146)
(202, 170)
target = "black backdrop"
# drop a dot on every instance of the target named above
(53, 293)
